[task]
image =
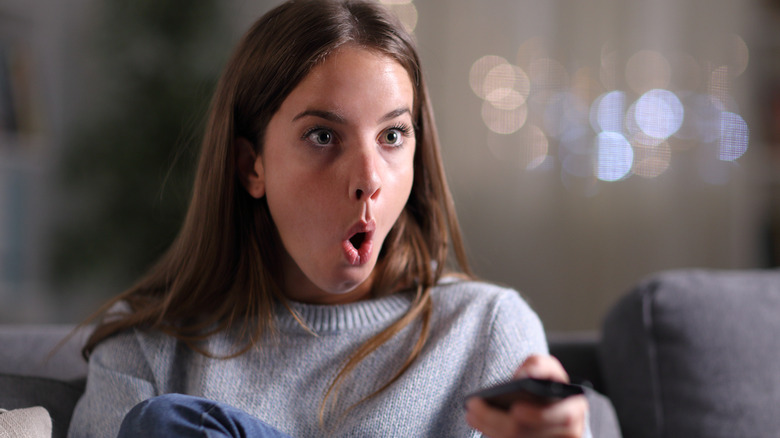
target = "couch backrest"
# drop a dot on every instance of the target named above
(30, 350)
(695, 353)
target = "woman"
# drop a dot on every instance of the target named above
(309, 290)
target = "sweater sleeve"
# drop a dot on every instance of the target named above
(515, 332)
(119, 377)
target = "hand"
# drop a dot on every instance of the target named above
(563, 419)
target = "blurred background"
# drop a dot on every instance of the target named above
(587, 144)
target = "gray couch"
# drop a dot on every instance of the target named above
(34, 372)
(690, 353)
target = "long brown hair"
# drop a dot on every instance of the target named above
(221, 272)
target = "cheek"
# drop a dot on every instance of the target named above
(408, 176)
(297, 201)
(303, 206)
(408, 183)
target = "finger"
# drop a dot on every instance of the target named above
(563, 418)
(491, 422)
(542, 367)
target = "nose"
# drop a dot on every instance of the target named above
(365, 181)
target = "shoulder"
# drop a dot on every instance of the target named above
(498, 324)
(452, 293)
(133, 339)
(129, 349)
(133, 348)
(499, 312)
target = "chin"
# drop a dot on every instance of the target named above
(344, 288)
(349, 284)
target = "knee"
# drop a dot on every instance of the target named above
(168, 401)
(159, 413)
(162, 405)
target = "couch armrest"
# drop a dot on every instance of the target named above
(578, 352)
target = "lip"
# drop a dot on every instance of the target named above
(357, 256)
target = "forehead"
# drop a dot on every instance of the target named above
(350, 76)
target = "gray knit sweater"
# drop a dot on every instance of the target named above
(480, 333)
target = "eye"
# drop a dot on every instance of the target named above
(392, 136)
(319, 136)
(395, 136)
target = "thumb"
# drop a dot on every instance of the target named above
(542, 367)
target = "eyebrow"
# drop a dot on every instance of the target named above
(393, 114)
(337, 118)
(327, 115)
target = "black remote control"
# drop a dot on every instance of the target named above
(540, 391)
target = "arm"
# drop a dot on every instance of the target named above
(566, 418)
(516, 337)
(119, 377)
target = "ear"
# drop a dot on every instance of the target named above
(250, 168)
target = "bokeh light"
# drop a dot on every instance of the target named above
(504, 88)
(505, 98)
(647, 69)
(628, 114)
(651, 161)
(526, 149)
(535, 144)
(608, 112)
(659, 113)
(737, 53)
(719, 85)
(503, 121)
(405, 10)
(614, 156)
(733, 136)
(501, 76)
(480, 70)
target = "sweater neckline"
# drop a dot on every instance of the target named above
(337, 317)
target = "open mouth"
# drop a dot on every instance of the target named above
(357, 240)
(359, 246)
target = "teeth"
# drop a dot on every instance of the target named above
(357, 239)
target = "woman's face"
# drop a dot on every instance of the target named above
(337, 170)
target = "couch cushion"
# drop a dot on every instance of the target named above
(694, 353)
(33, 422)
(58, 397)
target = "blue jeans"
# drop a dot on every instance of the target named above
(177, 415)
